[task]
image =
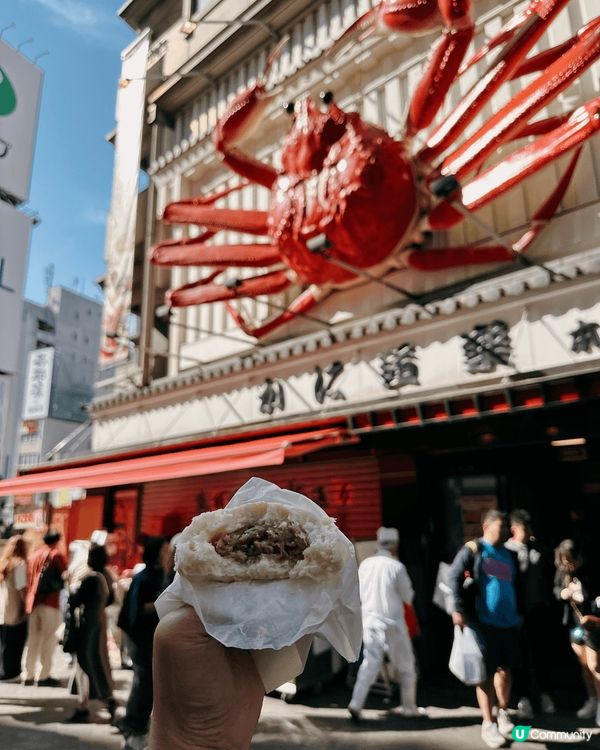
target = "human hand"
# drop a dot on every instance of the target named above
(590, 621)
(458, 619)
(205, 694)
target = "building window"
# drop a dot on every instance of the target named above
(86, 339)
(43, 326)
(74, 335)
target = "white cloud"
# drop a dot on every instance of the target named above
(80, 17)
(95, 216)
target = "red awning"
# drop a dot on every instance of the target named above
(188, 463)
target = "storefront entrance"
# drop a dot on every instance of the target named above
(462, 469)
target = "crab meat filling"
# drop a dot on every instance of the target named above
(282, 541)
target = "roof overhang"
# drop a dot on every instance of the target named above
(118, 470)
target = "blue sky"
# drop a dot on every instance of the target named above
(72, 169)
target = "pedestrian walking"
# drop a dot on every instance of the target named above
(13, 621)
(532, 678)
(590, 625)
(93, 678)
(573, 584)
(42, 604)
(385, 588)
(139, 620)
(488, 603)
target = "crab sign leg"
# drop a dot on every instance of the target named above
(199, 293)
(535, 20)
(443, 64)
(547, 210)
(437, 259)
(450, 257)
(195, 252)
(236, 220)
(300, 306)
(241, 118)
(583, 124)
(508, 31)
(524, 106)
(410, 17)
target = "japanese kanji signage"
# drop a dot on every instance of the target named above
(272, 398)
(487, 346)
(38, 383)
(585, 337)
(399, 366)
(325, 381)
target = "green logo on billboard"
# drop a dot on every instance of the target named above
(521, 733)
(8, 98)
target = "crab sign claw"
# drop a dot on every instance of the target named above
(240, 120)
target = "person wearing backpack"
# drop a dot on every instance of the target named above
(42, 604)
(485, 582)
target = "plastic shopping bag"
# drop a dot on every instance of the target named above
(466, 660)
(442, 593)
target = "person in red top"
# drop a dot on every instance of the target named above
(42, 604)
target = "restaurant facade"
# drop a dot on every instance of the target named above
(471, 388)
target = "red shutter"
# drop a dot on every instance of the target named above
(168, 506)
(347, 488)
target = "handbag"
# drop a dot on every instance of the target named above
(50, 581)
(72, 632)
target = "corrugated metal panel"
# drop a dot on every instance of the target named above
(348, 490)
(170, 505)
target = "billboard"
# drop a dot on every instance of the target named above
(38, 383)
(120, 234)
(20, 86)
(15, 229)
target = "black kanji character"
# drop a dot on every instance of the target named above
(398, 366)
(487, 346)
(585, 337)
(272, 398)
(324, 389)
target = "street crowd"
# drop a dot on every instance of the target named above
(501, 591)
(87, 604)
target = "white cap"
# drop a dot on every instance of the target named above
(387, 535)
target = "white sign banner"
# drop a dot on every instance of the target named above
(20, 85)
(5, 432)
(120, 235)
(38, 383)
(15, 230)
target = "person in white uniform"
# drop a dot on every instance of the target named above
(384, 588)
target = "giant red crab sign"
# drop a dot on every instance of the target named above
(350, 200)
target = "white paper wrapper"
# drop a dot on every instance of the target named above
(273, 615)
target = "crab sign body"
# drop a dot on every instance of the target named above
(340, 192)
(351, 202)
